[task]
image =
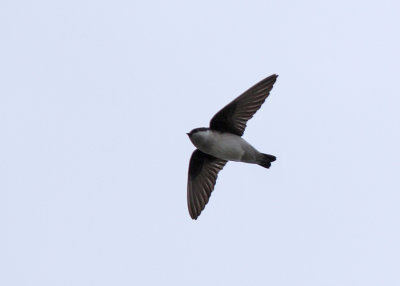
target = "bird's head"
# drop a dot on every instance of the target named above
(196, 130)
(198, 135)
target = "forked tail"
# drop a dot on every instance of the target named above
(265, 160)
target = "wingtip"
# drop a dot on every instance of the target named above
(272, 77)
(193, 216)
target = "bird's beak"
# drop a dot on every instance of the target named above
(188, 134)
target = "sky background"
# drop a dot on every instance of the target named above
(95, 101)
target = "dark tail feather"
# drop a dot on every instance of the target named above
(265, 160)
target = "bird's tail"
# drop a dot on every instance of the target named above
(265, 160)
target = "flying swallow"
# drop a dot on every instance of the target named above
(223, 142)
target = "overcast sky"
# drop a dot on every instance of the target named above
(95, 101)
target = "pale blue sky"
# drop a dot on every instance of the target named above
(95, 101)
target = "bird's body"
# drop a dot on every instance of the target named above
(223, 142)
(224, 145)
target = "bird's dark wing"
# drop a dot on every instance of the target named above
(233, 117)
(203, 172)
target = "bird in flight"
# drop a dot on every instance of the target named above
(223, 142)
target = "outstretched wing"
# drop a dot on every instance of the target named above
(233, 117)
(203, 172)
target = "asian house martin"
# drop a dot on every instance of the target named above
(222, 142)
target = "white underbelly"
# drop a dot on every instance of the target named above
(227, 150)
(230, 147)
